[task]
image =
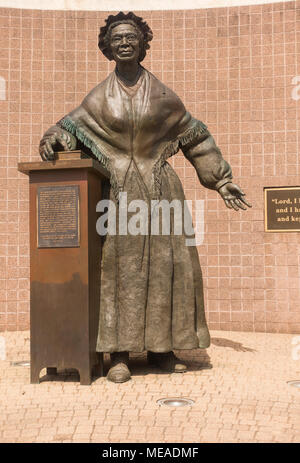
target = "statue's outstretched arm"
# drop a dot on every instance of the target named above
(214, 172)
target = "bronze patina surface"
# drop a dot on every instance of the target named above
(151, 294)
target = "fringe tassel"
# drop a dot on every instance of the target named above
(190, 135)
(71, 127)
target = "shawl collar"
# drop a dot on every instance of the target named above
(146, 128)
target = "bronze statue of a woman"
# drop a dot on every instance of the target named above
(151, 285)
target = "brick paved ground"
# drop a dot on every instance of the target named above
(239, 386)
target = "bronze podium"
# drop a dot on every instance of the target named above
(65, 259)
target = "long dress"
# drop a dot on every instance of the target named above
(151, 293)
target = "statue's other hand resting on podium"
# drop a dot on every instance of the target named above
(55, 139)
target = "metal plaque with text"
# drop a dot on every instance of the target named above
(282, 209)
(58, 216)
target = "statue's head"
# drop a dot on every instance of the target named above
(125, 37)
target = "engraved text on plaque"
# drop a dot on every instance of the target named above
(58, 216)
(282, 209)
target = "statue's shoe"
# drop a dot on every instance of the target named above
(119, 371)
(166, 361)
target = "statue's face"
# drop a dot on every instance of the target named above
(124, 43)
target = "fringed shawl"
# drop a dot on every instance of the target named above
(148, 127)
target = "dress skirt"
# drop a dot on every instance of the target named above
(151, 292)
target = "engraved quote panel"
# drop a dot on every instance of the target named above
(282, 209)
(58, 216)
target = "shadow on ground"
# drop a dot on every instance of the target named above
(196, 360)
(66, 375)
(238, 346)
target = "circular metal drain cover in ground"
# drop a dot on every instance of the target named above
(175, 402)
(294, 384)
(23, 363)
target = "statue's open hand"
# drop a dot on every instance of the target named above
(56, 140)
(233, 196)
